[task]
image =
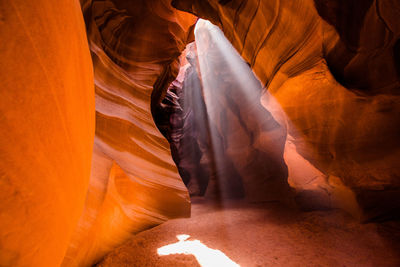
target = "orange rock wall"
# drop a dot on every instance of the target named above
(64, 201)
(47, 128)
(134, 182)
(345, 124)
(332, 69)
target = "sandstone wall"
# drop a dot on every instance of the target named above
(134, 182)
(47, 128)
(345, 124)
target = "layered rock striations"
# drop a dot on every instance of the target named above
(346, 124)
(225, 143)
(182, 118)
(330, 73)
(134, 183)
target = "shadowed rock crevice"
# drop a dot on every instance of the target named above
(100, 140)
(354, 60)
(200, 131)
(348, 130)
(134, 182)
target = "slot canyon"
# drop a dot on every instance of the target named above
(200, 133)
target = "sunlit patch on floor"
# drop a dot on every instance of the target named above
(206, 257)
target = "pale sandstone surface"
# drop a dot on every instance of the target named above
(267, 234)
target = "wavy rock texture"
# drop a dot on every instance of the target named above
(225, 143)
(47, 127)
(134, 183)
(348, 133)
(186, 125)
(331, 70)
(182, 119)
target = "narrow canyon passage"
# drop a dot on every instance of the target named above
(264, 234)
(239, 217)
(199, 133)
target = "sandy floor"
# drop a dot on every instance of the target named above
(266, 234)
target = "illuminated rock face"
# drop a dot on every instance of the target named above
(55, 208)
(348, 129)
(134, 183)
(225, 143)
(47, 129)
(332, 66)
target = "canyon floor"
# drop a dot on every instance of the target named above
(266, 234)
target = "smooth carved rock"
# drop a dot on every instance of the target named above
(134, 183)
(292, 46)
(182, 119)
(331, 69)
(47, 128)
(366, 54)
(228, 146)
